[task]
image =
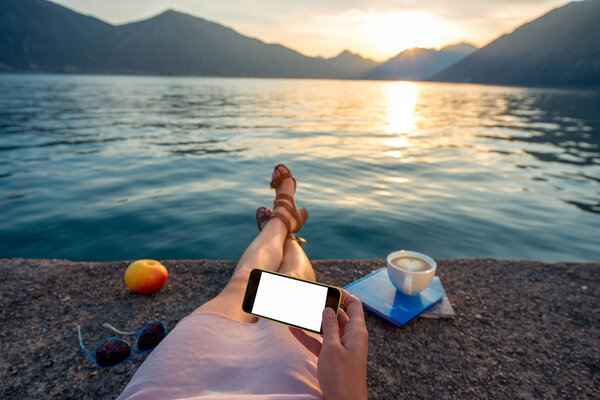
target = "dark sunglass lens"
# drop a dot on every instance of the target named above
(111, 352)
(151, 336)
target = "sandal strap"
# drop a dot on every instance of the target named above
(293, 212)
(284, 196)
(282, 217)
(285, 201)
(298, 239)
(282, 177)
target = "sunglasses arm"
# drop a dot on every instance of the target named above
(106, 325)
(81, 344)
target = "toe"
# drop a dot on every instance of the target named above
(263, 216)
(264, 213)
(280, 170)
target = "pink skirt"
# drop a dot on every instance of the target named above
(211, 356)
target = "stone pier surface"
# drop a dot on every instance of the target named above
(524, 329)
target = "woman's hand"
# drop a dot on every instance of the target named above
(342, 366)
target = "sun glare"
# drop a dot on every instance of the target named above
(381, 35)
(401, 98)
(393, 32)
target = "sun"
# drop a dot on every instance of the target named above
(378, 35)
(393, 32)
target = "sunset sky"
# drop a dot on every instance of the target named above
(378, 29)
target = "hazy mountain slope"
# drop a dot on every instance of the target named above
(179, 44)
(559, 48)
(419, 64)
(351, 65)
(37, 34)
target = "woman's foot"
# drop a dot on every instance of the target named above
(284, 206)
(263, 215)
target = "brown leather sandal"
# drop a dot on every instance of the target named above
(286, 201)
(300, 222)
(282, 177)
(264, 214)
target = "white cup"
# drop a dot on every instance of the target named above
(408, 281)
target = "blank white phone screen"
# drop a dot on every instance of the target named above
(290, 301)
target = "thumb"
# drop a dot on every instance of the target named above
(331, 329)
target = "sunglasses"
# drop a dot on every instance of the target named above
(114, 351)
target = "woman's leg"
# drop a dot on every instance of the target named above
(265, 251)
(295, 262)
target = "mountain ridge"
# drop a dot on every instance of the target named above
(419, 63)
(562, 47)
(170, 43)
(559, 48)
(352, 64)
(51, 38)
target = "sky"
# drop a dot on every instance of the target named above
(377, 29)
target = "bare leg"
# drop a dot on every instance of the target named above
(265, 251)
(295, 262)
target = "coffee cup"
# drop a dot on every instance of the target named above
(409, 271)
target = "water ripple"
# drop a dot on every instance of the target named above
(104, 168)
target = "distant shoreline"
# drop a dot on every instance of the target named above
(557, 49)
(134, 75)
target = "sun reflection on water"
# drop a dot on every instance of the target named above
(401, 98)
(400, 119)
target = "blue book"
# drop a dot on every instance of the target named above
(379, 296)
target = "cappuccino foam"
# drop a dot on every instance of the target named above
(411, 263)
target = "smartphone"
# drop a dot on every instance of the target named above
(290, 301)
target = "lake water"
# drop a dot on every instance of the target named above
(110, 168)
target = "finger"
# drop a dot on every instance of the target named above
(312, 344)
(354, 307)
(331, 330)
(347, 297)
(342, 320)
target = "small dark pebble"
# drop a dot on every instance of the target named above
(524, 329)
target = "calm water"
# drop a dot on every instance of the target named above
(110, 168)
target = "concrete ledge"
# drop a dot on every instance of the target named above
(524, 329)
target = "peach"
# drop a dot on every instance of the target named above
(145, 276)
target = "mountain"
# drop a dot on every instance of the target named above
(560, 48)
(37, 35)
(351, 65)
(418, 64)
(173, 43)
